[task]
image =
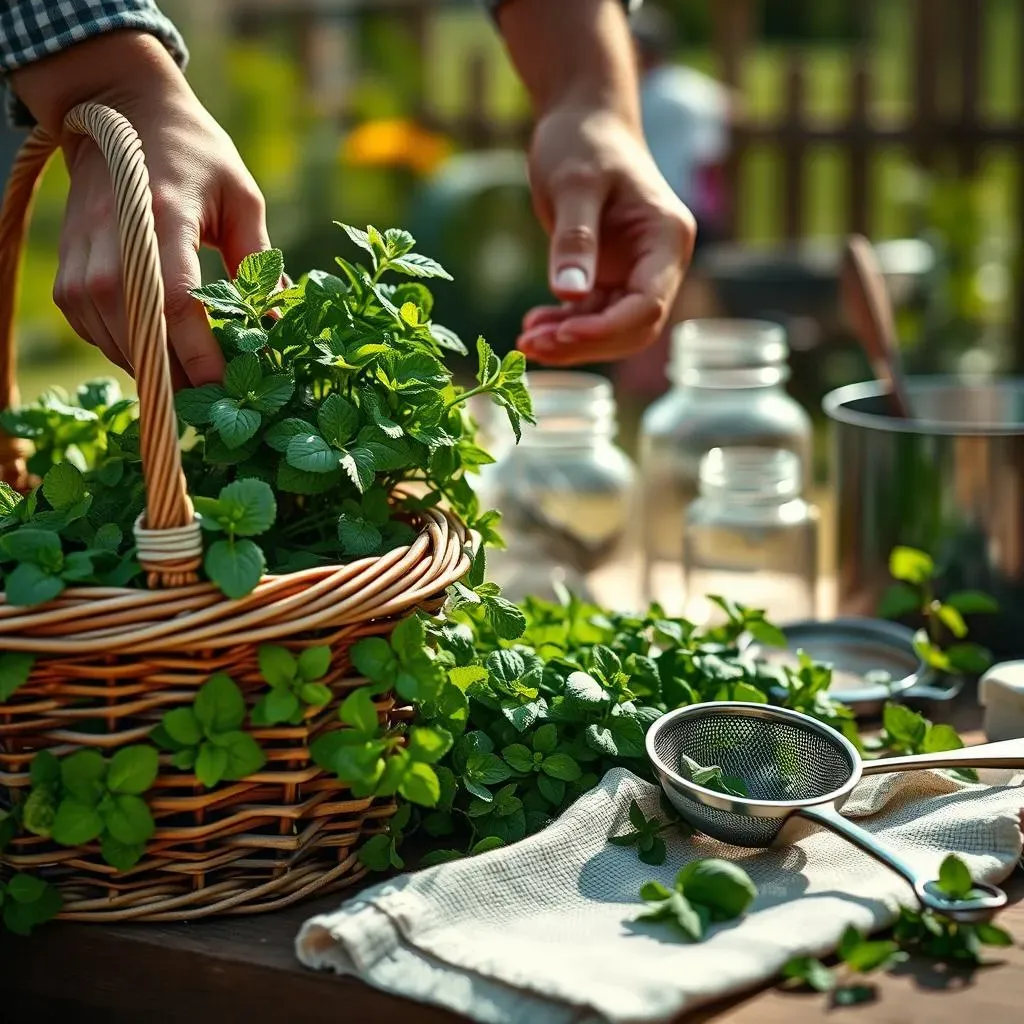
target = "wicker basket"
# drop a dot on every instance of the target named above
(127, 656)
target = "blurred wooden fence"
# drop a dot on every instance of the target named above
(942, 127)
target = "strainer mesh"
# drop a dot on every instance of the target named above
(776, 758)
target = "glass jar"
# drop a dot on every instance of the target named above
(566, 491)
(751, 537)
(728, 389)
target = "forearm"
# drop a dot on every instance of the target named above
(110, 68)
(42, 47)
(573, 53)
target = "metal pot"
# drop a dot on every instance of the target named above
(950, 482)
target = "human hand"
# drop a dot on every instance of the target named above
(621, 240)
(202, 193)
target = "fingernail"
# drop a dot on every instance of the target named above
(572, 279)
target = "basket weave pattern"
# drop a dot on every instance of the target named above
(110, 662)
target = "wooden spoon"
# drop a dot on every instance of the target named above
(866, 303)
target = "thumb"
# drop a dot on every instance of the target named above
(243, 225)
(574, 241)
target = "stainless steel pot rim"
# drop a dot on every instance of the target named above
(748, 805)
(836, 405)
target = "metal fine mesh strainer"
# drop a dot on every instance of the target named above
(791, 764)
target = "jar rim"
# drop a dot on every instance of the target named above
(728, 345)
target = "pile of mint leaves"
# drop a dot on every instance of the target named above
(336, 395)
(519, 709)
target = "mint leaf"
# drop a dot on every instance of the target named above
(311, 454)
(76, 823)
(954, 878)
(219, 706)
(15, 668)
(279, 434)
(247, 507)
(242, 375)
(63, 486)
(195, 405)
(561, 766)
(277, 665)
(128, 819)
(132, 770)
(122, 856)
(260, 273)
(911, 566)
(972, 602)
(416, 265)
(374, 659)
(182, 727)
(244, 756)
(235, 424)
(899, 600)
(360, 466)
(211, 764)
(420, 785)
(273, 393)
(222, 297)
(358, 537)
(314, 663)
(235, 566)
(338, 419)
(359, 711)
(28, 585)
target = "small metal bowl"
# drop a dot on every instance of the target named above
(859, 649)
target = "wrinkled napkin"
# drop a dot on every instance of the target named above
(542, 932)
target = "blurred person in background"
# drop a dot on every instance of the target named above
(621, 239)
(686, 120)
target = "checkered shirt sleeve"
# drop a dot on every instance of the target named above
(32, 29)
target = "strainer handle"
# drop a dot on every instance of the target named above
(978, 908)
(1006, 754)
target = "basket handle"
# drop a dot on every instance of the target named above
(167, 534)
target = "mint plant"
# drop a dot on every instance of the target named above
(27, 901)
(208, 738)
(646, 833)
(914, 593)
(84, 797)
(294, 684)
(335, 395)
(924, 933)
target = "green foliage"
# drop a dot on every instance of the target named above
(520, 709)
(27, 901)
(86, 797)
(914, 594)
(711, 777)
(335, 393)
(207, 738)
(705, 892)
(294, 684)
(645, 833)
(920, 932)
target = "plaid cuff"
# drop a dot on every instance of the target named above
(33, 29)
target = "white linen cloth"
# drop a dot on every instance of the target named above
(542, 932)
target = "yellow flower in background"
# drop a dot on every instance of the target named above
(395, 142)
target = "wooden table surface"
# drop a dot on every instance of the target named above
(243, 970)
